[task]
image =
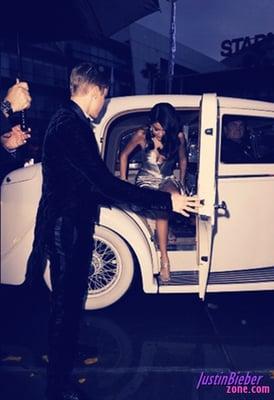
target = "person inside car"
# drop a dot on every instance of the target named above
(235, 148)
(162, 144)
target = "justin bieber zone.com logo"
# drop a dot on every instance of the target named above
(235, 382)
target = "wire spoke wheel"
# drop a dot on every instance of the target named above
(111, 272)
(106, 264)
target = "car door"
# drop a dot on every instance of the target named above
(243, 253)
(206, 187)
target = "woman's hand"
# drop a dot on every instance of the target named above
(157, 143)
(184, 205)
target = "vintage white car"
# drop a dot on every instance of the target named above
(228, 247)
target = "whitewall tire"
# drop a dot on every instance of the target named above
(113, 269)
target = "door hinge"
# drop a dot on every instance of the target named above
(209, 131)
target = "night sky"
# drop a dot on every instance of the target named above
(204, 24)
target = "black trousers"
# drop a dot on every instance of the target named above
(70, 248)
(37, 261)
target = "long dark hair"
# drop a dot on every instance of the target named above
(166, 115)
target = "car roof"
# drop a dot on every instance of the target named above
(127, 104)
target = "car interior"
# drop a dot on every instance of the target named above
(182, 230)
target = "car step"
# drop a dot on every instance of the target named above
(178, 278)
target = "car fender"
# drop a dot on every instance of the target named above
(134, 231)
(13, 263)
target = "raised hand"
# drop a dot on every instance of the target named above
(18, 96)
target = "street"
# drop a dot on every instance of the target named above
(148, 346)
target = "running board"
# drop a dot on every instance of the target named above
(189, 280)
(179, 278)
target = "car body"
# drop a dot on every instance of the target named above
(228, 246)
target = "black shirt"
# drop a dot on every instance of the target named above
(236, 152)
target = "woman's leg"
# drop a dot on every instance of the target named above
(162, 233)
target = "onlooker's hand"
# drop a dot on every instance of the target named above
(184, 204)
(15, 138)
(18, 96)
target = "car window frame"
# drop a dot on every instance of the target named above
(242, 169)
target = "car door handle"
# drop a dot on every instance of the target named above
(222, 206)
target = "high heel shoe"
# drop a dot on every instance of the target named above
(165, 271)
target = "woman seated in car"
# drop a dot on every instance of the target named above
(162, 145)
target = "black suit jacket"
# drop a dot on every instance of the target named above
(236, 153)
(75, 178)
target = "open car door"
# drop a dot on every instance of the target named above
(206, 187)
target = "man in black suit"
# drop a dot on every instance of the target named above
(75, 180)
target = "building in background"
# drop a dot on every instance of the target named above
(136, 59)
(253, 68)
(150, 54)
(249, 71)
(46, 68)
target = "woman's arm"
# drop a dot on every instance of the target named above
(137, 139)
(182, 156)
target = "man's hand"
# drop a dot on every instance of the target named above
(18, 96)
(184, 204)
(15, 138)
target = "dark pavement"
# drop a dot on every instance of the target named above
(148, 346)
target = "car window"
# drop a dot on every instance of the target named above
(119, 133)
(247, 139)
